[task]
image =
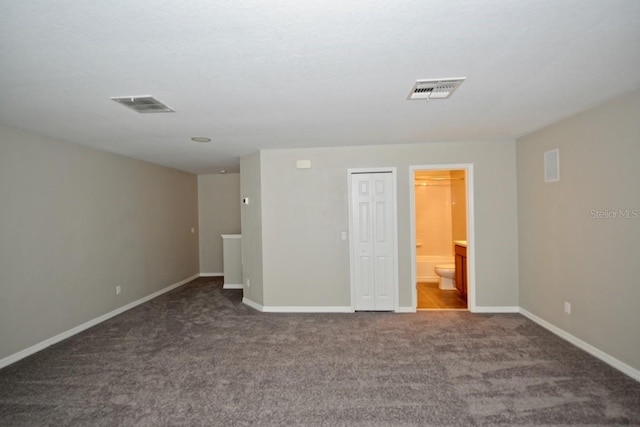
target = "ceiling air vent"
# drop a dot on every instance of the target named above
(435, 88)
(143, 104)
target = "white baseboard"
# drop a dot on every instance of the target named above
(211, 274)
(405, 310)
(86, 325)
(297, 309)
(252, 304)
(305, 309)
(606, 358)
(232, 286)
(428, 279)
(485, 309)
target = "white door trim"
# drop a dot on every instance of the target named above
(471, 241)
(394, 183)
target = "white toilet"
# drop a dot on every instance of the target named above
(447, 273)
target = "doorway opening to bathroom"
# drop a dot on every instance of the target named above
(442, 230)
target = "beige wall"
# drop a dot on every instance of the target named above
(74, 223)
(566, 252)
(251, 218)
(305, 263)
(218, 213)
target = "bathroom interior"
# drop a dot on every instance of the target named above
(441, 239)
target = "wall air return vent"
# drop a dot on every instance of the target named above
(552, 165)
(143, 104)
(435, 88)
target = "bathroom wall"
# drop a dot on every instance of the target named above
(433, 214)
(441, 211)
(458, 205)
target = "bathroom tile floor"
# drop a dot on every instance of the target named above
(431, 297)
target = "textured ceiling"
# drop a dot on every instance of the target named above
(305, 73)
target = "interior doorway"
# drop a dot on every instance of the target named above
(442, 237)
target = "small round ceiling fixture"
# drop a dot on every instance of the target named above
(223, 171)
(201, 139)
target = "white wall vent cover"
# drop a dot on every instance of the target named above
(435, 88)
(552, 165)
(143, 104)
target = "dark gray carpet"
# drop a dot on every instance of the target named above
(198, 356)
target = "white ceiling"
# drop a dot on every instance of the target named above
(258, 74)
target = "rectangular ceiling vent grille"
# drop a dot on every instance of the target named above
(435, 88)
(143, 104)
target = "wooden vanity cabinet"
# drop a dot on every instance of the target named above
(461, 269)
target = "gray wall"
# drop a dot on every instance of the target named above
(74, 223)
(251, 218)
(218, 213)
(305, 263)
(566, 252)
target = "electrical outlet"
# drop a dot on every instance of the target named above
(567, 307)
(118, 289)
(247, 282)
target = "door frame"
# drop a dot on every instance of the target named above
(471, 241)
(394, 184)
